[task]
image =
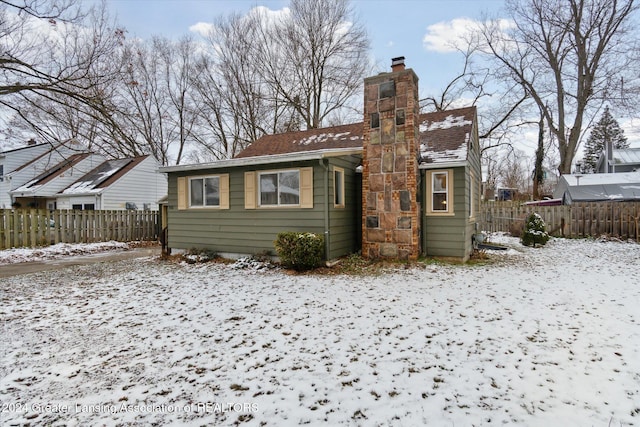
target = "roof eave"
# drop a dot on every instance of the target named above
(97, 192)
(263, 160)
(444, 165)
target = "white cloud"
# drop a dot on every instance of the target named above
(272, 17)
(443, 37)
(201, 28)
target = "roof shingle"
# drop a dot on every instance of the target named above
(443, 137)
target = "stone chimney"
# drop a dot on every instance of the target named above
(391, 217)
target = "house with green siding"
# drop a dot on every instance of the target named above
(400, 184)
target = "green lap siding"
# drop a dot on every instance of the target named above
(451, 236)
(343, 227)
(250, 231)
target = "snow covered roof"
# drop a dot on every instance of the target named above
(445, 135)
(336, 137)
(51, 173)
(600, 186)
(603, 178)
(612, 192)
(103, 176)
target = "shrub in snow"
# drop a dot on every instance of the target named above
(534, 231)
(300, 251)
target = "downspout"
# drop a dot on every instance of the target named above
(325, 164)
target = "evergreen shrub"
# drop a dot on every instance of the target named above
(534, 231)
(300, 251)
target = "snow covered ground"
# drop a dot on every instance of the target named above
(57, 251)
(545, 336)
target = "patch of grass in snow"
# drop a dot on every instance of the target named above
(238, 387)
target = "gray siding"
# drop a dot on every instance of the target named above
(251, 231)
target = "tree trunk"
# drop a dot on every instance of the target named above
(538, 174)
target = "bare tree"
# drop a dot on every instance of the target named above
(266, 75)
(55, 62)
(569, 55)
(315, 58)
(538, 172)
(54, 58)
(236, 106)
(179, 62)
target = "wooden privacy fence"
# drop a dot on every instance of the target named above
(38, 227)
(618, 219)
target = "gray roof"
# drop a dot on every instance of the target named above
(611, 192)
(622, 156)
(627, 156)
(599, 186)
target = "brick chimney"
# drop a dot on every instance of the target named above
(391, 217)
(397, 64)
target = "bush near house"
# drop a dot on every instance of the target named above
(300, 251)
(534, 231)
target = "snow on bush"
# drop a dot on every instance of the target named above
(534, 231)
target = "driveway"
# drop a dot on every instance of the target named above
(56, 264)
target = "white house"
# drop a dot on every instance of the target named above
(67, 176)
(131, 183)
(21, 165)
(41, 192)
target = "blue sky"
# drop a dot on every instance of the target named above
(396, 27)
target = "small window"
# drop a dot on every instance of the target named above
(439, 189)
(440, 192)
(387, 89)
(338, 188)
(77, 207)
(399, 117)
(279, 188)
(204, 192)
(89, 207)
(375, 120)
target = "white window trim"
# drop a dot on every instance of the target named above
(450, 200)
(204, 206)
(278, 205)
(342, 195)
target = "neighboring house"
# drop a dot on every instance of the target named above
(22, 165)
(624, 186)
(130, 183)
(41, 191)
(65, 176)
(618, 160)
(398, 185)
